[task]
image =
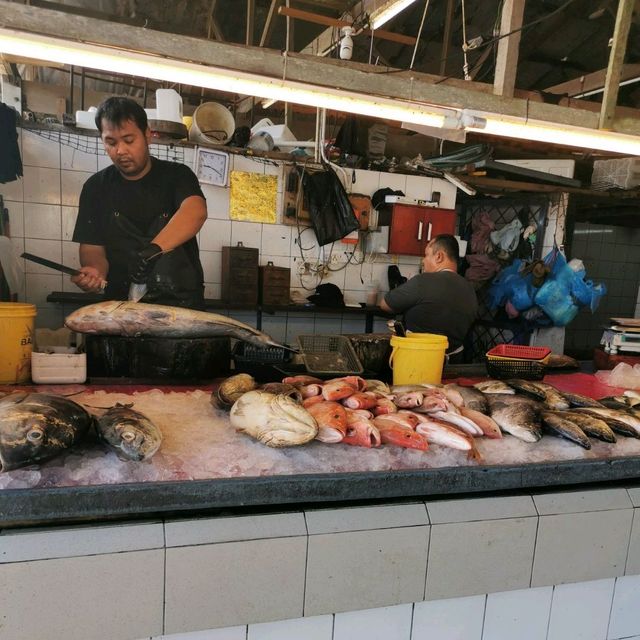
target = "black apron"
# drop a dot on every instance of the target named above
(175, 280)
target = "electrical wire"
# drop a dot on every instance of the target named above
(415, 48)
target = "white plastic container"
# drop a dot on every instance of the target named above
(58, 365)
(168, 105)
(87, 119)
(212, 123)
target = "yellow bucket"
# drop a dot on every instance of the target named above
(418, 358)
(16, 338)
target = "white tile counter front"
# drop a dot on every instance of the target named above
(558, 565)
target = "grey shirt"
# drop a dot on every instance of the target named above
(443, 303)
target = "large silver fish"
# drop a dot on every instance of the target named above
(552, 397)
(473, 398)
(517, 416)
(494, 386)
(559, 424)
(118, 318)
(274, 420)
(130, 433)
(37, 426)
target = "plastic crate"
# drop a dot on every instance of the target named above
(329, 355)
(502, 368)
(519, 351)
(263, 363)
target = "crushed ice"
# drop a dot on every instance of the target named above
(199, 443)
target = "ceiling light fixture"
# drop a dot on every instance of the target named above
(540, 131)
(387, 11)
(147, 66)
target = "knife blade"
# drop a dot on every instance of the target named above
(55, 265)
(137, 292)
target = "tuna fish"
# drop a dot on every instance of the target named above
(118, 318)
(516, 416)
(557, 423)
(130, 433)
(37, 426)
(277, 421)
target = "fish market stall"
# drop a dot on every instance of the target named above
(204, 463)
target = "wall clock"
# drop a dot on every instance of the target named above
(212, 167)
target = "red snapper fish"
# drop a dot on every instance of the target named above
(361, 432)
(337, 390)
(401, 436)
(332, 421)
(361, 400)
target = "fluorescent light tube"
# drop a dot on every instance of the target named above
(387, 11)
(148, 66)
(556, 134)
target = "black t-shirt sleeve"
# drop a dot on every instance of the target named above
(405, 296)
(185, 184)
(89, 224)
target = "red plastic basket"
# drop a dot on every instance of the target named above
(519, 351)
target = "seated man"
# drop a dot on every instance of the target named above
(438, 300)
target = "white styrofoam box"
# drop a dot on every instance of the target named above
(58, 365)
(616, 172)
(563, 168)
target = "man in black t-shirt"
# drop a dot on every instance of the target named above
(438, 300)
(138, 218)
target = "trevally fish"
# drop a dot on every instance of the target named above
(494, 386)
(120, 318)
(559, 424)
(37, 426)
(473, 398)
(524, 386)
(130, 433)
(592, 426)
(552, 397)
(578, 400)
(274, 420)
(516, 416)
(621, 422)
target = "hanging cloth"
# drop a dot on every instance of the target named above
(10, 161)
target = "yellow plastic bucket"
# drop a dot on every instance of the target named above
(16, 338)
(418, 358)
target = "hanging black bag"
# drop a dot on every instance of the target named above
(331, 212)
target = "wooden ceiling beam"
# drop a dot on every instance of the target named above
(592, 81)
(344, 75)
(316, 18)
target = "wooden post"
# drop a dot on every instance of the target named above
(616, 59)
(507, 60)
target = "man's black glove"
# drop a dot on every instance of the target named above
(143, 263)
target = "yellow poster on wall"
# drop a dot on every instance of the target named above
(253, 197)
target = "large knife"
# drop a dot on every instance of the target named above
(55, 265)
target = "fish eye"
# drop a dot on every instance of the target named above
(128, 436)
(35, 434)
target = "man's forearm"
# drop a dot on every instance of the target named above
(94, 256)
(184, 224)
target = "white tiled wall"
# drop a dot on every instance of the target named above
(43, 208)
(354, 573)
